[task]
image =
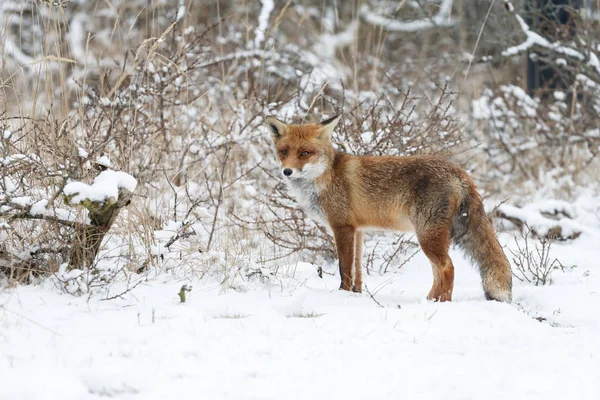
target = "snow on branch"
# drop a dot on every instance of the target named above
(238, 55)
(105, 187)
(533, 39)
(263, 22)
(441, 19)
(180, 10)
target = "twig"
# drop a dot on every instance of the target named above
(373, 297)
(27, 215)
(129, 289)
(179, 236)
(478, 38)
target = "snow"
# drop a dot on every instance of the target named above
(533, 39)
(104, 161)
(39, 208)
(366, 137)
(14, 158)
(329, 43)
(263, 22)
(560, 96)
(181, 10)
(441, 19)
(528, 105)
(301, 337)
(77, 38)
(22, 201)
(106, 185)
(13, 50)
(239, 55)
(9, 185)
(561, 62)
(481, 108)
(82, 152)
(563, 217)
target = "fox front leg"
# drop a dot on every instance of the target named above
(357, 285)
(344, 241)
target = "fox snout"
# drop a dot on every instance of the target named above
(291, 172)
(307, 171)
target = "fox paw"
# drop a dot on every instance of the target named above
(357, 289)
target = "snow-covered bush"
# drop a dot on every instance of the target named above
(525, 138)
(528, 137)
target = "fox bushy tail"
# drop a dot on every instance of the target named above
(472, 231)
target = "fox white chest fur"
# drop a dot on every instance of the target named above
(306, 193)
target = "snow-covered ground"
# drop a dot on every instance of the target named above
(302, 338)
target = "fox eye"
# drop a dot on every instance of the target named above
(304, 153)
(284, 152)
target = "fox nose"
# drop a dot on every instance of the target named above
(287, 172)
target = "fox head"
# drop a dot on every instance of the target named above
(304, 151)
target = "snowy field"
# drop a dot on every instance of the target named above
(302, 338)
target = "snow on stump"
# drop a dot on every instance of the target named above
(111, 191)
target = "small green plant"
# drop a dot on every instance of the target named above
(184, 288)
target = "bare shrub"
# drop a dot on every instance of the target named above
(385, 258)
(535, 265)
(160, 113)
(45, 228)
(523, 136)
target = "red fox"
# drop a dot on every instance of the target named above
(425, 194)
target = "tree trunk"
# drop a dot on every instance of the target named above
(87, 240)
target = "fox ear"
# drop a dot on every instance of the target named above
(277, 128)
(328, 126)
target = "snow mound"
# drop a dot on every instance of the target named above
(550, 218)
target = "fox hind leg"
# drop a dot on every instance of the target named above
(435, 244)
